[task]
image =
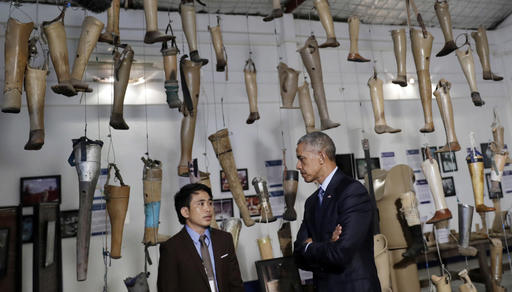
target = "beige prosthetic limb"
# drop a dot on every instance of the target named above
(496, 260)
(412, 217)
(353, 30)
(251, 87)
(382, 261)
(421, 50)
(111, 34)
(218, 47)
(468, 285)
(285, 239)
(444, 102)
(260, 186)
(16, 57)
(467, 63)
(265, 248)
(222, 147)
(233, 226)
(406, 276)
(277, 11)
(431, 171)
(445, 20)
(442, 283)
(482, 49)
(306, 107)
(324, 13)
(35, 88)
(311, 59)
(290, 184)
(153, 35)
(152, 187)
(288, 83)
(475, 162)
(123, 65)
(188, 22)
(400, 48)
(377, 96)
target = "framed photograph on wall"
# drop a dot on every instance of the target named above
(68, 223)
(253, 204)
(432, 152)
(10, 248)
(40, 189)
(346, 164)
(27, 231)
(488, 180)
(242, 175)
(486, 153)
(448, 186)
(361, 166)
(448, 161)
(4, 250)
(223, 208)
(278, 274)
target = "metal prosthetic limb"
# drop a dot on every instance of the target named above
(152, 187)
(265, 248)
(400, 48)
(324, 13)
(188, 22)
(170, 58)
(467, 63)
(311, 58)
(496, 260)
(431, 170)
(382, 261)
(153, 35)
(482, 49)
(123, 65)
(290, 184)
(288, 83)
(421, 50)
(91, 30)
(16, 58)
(412, 216)
(35, 88)
(285, 239)
(377, 96)
(86, 157)
(251, 87)
(468, 285)
(233, 226)
(306, 107)
(277, 11)
(444, 102)
(222, 147)
(260, 186)
(442, 283)
(353, 30)
(218, 47)
(445, 20)
(465, 223)
(111, 34)
(475, 162)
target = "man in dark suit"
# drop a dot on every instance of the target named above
(198, 258)
(340, 261)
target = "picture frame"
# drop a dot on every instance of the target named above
(278, 274)
(448, 161)
(448, 186)
(253, 205)
(242, 175)
(40, 189)
(27, 231)
(346, 163)
(361, 166)
(486, 153)
(433, 150)
(11, 248)
(488, 182)
(68, 223)
(4, 250)
(223, 209)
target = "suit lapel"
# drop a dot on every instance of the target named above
(216, 241)
(195, 258)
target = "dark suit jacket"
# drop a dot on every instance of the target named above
(345, 265)
(181, 269)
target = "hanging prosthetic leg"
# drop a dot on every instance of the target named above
(233, 226)
(284, 235)
(35, 88)
(412, 216)
(153, 35)
(496, 260)
(311, 59)
(188, 22)
(421, 49)
(306, 107)
(218, 47)
(465, 223)
(324, 13)
(123, 65)
(152, 185)
(353, 30)
(290, 184)
(86, 157)
(277, 12)
(222, 147)
(111, 34)
(445, 20)
(444, 102)
(468, 285)
(431, 170)
(288, 82)
(400, 48)
(170, 56)
(482, 49)
(475, 162)
(251, 87)
(260, 186)
(377, 96)
(467, 64)
(382, 261)
(16, 56)
(442, 283)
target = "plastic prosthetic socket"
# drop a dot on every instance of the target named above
(467, 63)
(153, 35)
(445, 20)
(277, 11)
(251, 87)
(170, 58)
(222, 147)
(260, 186)
(468, 285)
(353, 30)
(324, 13)
(218, 47)
(111, 34)
(421, 50)
(442, 283)
(311, 58)
(306, 107)
(499, 161)
(400, 48)
(482, 49)
(188, 22)
(35, 88)
(288, 83)
(412, 217)
(91, 30)
(377, 96)
(117, 205)
(16, 58)
(465, 221)
(197, 176)
(431, 171)
(290, 184)
(285, 239)
(498, 144)
(475, 162)
(86, 157)
(123, 64)
(265, 248)
(403, 277)
(444, 102)
(152, 187)
(233, 226)
(138, 283)
(496, 263)
(382, 261)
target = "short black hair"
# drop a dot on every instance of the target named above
(183, 197)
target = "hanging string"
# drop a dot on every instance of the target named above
(145, 99)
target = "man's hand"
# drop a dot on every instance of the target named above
(309, 240)
(336, 233)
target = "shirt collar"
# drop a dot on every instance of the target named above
(327, 180)
(195, 236)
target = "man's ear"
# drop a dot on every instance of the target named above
(185, 212)
(322, 157)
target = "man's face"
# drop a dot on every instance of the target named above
(309, 162)
(200, 213)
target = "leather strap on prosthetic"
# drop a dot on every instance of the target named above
(410, 208)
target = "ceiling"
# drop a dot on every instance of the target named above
(466, 14)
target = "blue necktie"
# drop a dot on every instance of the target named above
(321, 193)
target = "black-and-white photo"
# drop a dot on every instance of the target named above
(361, 166)
(448, 186)
(448, 161)
(432, 152)
(27, 233)
(223, 208)
(68, 223)
(487, 154)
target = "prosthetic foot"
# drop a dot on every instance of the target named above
(431, 170)
(251, 87)
(138, 283)
(306, 107)
(377, 96)
(444, 102)
(111, 34)
(123, 65)
(171, 74)
(277, 12)
(218, 47)
(188, 22)
(353, 29)
(288, 82)
(445, 20)
(153, 35)
(468, 285)
(465, 221)
(475, 162)
(260, 186)
(442, 283)
(482, 49)
(467, 64)
(324, 13)
(412, 216)
(290, 184)
(35, 88)
(400, 48)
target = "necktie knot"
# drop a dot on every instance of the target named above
(202, 239)
(321, 193)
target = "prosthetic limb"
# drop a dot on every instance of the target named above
(400, 48)
(311, 59)
(86, 157)
(406, 276)
(35, 88)
(499, 161)
(171, 74)
(382, 261)
(431, 170)
(412, 216)
(123, 65)
(445, 20)
(285, 239)
(251, 87)
(218, 47)
(467, 63)
(465, 222)
(482, 49)
(421, 49)
(276, 11)
(306, 107)
(16, 56)
(442, 283)
(475, 162)
(377, 96)
(222, 147)
(288, 82)
(322, 7)
(468, 285)
(265, 248)
(233, 226)
(260, 186)
(153, 35)
(111, 34)
(291, 181)
(444, 102)
(152, 187)
(353, 30)
(496, 260)
(138, 283)
(91, 30)
(188, 22)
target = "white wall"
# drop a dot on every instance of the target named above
(349, 104)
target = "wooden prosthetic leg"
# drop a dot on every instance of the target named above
(353, 30)
(382, 261)
(467, 64)
(468, 285)
(111, 34)
(475, 162)
(35, 88)
(442, 283)
(170, 57)
(482, 49)
(290, 184)
(445, 20)
(324, 13)
(188, 22)
(377, 96)
(152, 186)
(400, 48)
(218, 47)
(288, 83)
(285, 239)
(277, 11)
(153, 35)
(251, 87)
(431, 170)
(306, 107)
(496, 260)
(123, 65)
(444, 102)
